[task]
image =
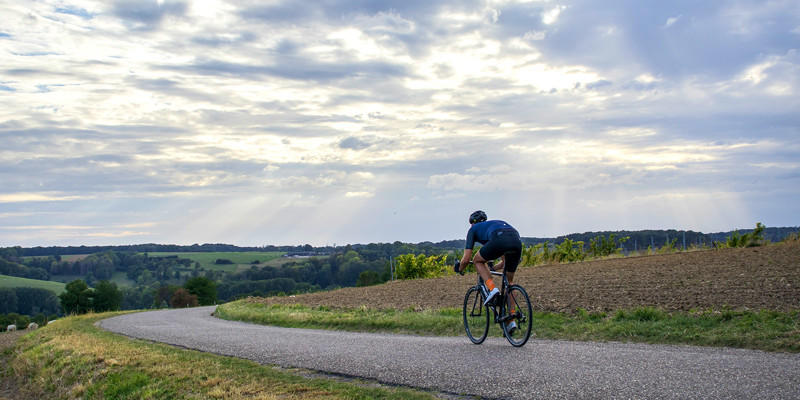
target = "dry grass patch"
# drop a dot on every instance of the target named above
(74, 359)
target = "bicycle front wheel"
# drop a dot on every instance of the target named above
(518, 308)
(476, 316)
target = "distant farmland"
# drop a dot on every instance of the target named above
(207, 259)
(13, 281)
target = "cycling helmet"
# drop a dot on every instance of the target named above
(477, 216)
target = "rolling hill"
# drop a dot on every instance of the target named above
(13, 281)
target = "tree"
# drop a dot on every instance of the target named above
(8, 300)
(182, 299)
(367, 278)
(33, 300)
(77, 298)
(139, 297)
(107, 297)
(163, 296)
(205, 289)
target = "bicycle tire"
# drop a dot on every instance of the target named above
(476, 316)
(523, 311)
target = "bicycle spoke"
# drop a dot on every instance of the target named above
(517, 300)
(476, 316)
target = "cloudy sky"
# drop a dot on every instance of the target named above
(355, 121)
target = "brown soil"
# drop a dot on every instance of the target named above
(749, 278)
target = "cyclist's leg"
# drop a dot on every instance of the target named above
(492, 250)
(509, 274)
(510, 262)
(480, 265)
(483, 270)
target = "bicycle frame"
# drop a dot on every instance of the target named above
(500, 299)
(474, 309)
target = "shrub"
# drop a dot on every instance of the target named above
(182, 299)
(668, 247)
(752, 239)
(569, 251)
(410, 266)
(204, 288)
(367, 278)
(536, 254)
(529, 255)
(602, 247)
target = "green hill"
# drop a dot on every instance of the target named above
(13, 281)
(207, 259)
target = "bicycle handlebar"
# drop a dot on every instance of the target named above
(458, 264)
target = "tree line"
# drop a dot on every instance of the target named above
(659, 238)
(79, 298)
(161, 248)
(162, 281)
(156, 281)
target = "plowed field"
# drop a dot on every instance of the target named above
(748, 278)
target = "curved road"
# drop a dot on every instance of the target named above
(495, 369)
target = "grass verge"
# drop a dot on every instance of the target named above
(762, 330)
(74, 359)
(427, 322)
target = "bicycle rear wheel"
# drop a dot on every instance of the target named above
(476, 316)
(518, 301)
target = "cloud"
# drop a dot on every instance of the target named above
(712, 39)
(598, 84)
(146, 15)
(77, 11)
(551, 16)
(360, 194)
(672, 20)
(375, 118)
(35, 197)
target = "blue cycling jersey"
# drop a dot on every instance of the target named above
(482, 231)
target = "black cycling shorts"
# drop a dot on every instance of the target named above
(504, 241)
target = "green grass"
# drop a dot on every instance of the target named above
(13, 281)
(121, 279)
(763, 330)
(426, 322)
(206, 259)
(74, 359)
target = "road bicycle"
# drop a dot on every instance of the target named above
(511, 304)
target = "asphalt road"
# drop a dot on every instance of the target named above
(542, 369)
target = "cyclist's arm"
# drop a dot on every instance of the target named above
(468, 250)
(466, 259)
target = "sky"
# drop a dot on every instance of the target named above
(335, 122)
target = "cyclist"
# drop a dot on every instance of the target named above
(499, 240)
